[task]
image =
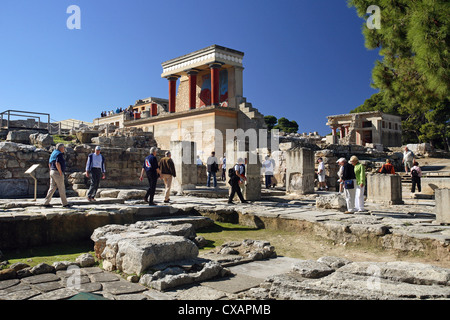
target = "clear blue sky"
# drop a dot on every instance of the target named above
(303, 60)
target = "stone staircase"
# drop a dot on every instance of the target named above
(251, 117)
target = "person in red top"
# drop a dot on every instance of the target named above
(387, 168)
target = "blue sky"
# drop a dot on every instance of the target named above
(303, 60)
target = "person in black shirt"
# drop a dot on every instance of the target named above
(349, 178)
(235, 187)
(151, 168)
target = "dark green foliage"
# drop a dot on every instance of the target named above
(414, 75)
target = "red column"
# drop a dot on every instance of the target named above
(342, 132)
(334, 131)
(192, 88)
(172, 93)
(215, 67)
(154, 110)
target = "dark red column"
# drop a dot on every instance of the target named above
(192, 88)
(172, 93)
(215, 67)
(154, 110)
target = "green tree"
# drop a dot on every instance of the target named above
(414, 75)
(270, 121)
(287, 126)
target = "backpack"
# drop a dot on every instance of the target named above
(231, 172)
(414, 173)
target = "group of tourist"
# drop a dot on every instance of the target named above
(112, 112)
(132, 114)
(352, 175)
(352, 180)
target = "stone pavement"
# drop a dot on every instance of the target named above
(407, 227)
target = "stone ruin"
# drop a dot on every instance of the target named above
(165, 254)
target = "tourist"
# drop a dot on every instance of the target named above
(360, 174)
(224, 166)
(341, 163)
(239, 169)
(349, 178)
(151, 168)
(416, 175)
(168, 172)
(95, 169)
(387, 168)
(321, 175)
(408, 159)
(268, 165)
(235, 188)
(212, 167)
(57, 166)
(199, 161)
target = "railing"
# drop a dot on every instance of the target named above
(6, 115)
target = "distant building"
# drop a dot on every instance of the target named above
(366, 128)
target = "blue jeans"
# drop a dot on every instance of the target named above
(208, 181)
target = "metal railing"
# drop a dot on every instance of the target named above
(24, 114)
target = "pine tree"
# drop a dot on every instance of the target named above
(414, 75)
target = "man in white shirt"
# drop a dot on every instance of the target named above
(269, 166)
(95, 169)
(321, 175)
(408, 159)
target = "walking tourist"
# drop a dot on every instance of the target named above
(408, 159)
(349, 178)
(212, 167)
(416, 175)
(235, 188)
(360, 174)
(57, 166)
(151, 168)
(168, 172)
(95, 170)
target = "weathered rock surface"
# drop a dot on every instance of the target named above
(135, 248)
(357, 280)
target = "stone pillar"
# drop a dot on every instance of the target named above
(300, 171)
(384, 188)
(342, 130)
(172, 93)
(215, 91)
(334, 135)
(192, 88)
(442, 197)
(154, 110)
(184, 158)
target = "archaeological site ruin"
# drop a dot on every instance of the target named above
(162, 252)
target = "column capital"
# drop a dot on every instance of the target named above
(216, 65)
(172, 77)
(192, 72)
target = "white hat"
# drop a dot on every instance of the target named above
(341, 160)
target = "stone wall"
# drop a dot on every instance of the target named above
(442, 205)
(300, 171)
(123, 167)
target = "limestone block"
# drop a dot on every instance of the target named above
(300, 171)
(384, 188)
(332, 201)
(442, 197)
(41, 140)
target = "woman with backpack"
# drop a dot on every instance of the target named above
(416, 174)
